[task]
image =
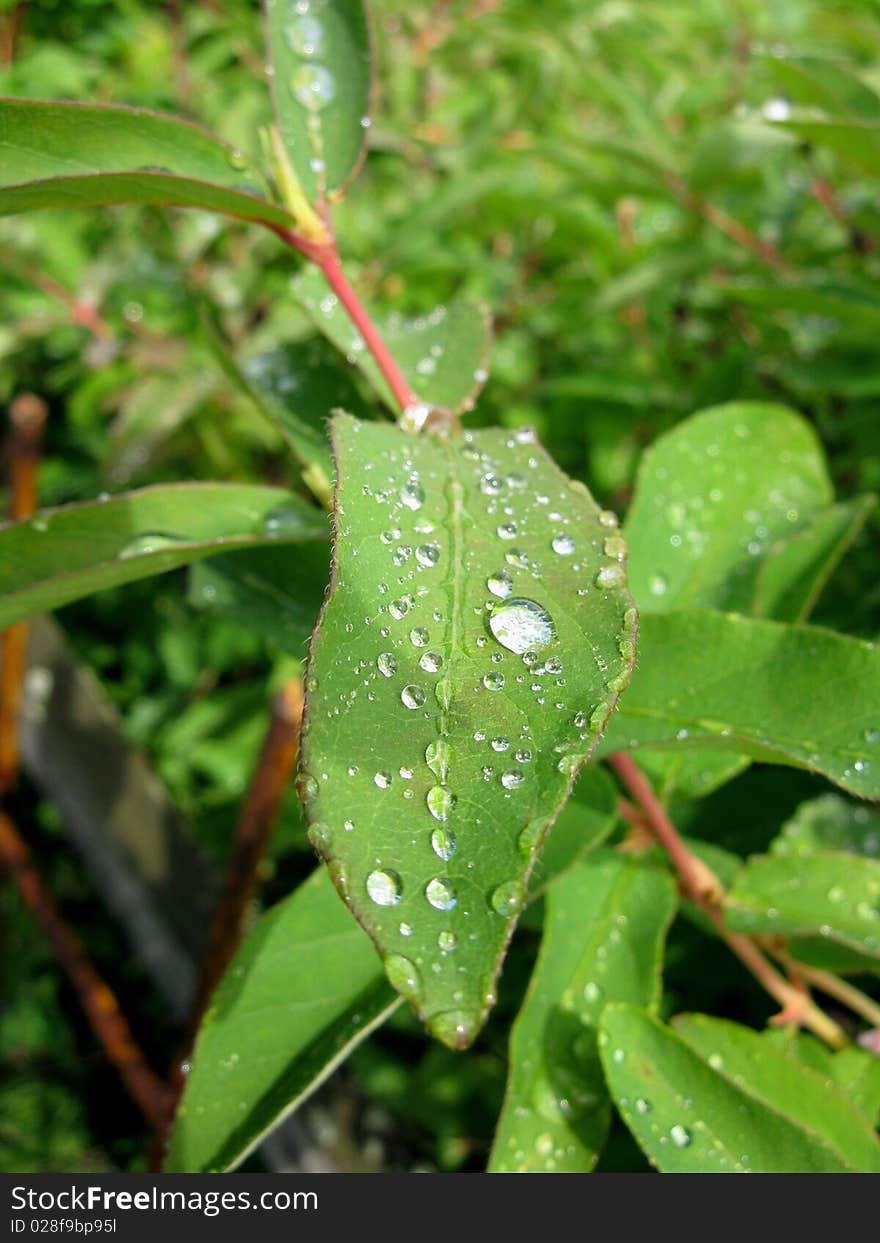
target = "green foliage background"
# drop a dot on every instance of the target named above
(614, 181)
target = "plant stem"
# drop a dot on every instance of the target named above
(832, 985)
(704, 888)
(100, 1007)
(354, 308)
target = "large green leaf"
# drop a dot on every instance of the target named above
(794, 695)
(84, 155)
(319, 55)
(826, 893)
(855, 1071)
(688, 1117)
(830, 822)
(443, 355)
(603, 940)
(476, 637)
(746, 1060)
(712, 496)
(302, 991)
(66, 553)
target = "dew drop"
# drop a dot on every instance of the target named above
(382, 779)
(412, 495)
(412, 696)
(500, 743)
(440, 802)
(384, 887)
(403, 975)
(521, 625)
(592, 993)
(438, 757)
(505, 900)
(512, 779)
(611, 576)
(440, 894)
(313, 87)
(447, 942)
(615, 546)
(386, 664)
(493, 681)
(490, 485)
(642, 1106)
(517, 558)
(500, 584)
(427, 555)
(443, 843)
(507, 530)
(680, 1136)
(431, 662)
(399, 608)
(419, 636)
(562, 544)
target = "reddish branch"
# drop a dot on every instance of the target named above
(109, 1025)
(700, 884)
(27, 414)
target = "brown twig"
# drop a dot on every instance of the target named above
(11, 26)
(27, 414)
(766, 252)
(100, 1007)
(826, 982)
(704, 889)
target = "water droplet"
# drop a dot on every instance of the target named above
(455, 1028)
(493, 681)
(490, 485)
(382, 780)
(680, 1136)
(431, 662)
(399, 608)
(412, 495)
(386, 664)
(384, 887)
(427, 554)
(592, 993)
(440, 802)
(140, 546)
(403, 975)
(412, 696)
(305, 36)
(505, 900)
(443, 843)
(517, 558)
(308, 788)
(615, 546)
(521, 625)
(419, 636)
(523, 757)
(438, 757)
(507, 530)
(642, 1106)
(872, 735)
(512, 779)
(388, 537)
(562, 544)
(658, 585)
(313, 86)
(440, 894)
(447, 941)
(500, 743)
(611, 576)
(500, 584)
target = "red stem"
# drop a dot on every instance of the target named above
(329, 264)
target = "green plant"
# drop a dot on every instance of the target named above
(479, 631)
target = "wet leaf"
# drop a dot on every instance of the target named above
(687, 1117)
(320, 59)
(795, 1091)
(476, 636)
(784, 694)
(830, 822)
(66, 553)
(604, 931)
(86, 155)
(302, 991)
(828, 894)
(584, 822)
(443, 355)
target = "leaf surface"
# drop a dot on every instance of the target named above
(477, 634)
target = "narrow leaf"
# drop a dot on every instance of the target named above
(687, 1117)
(443, 355)
(320, 59)
(86, 155)
(603, 940)
(794, 695)
(796, 1092)
(828, 894)
(302, 991)
(477, 634)
(66, 553)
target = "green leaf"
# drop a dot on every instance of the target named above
(66, 553)
(712, 496)
(795, 695)
(793, 574)
(321, 76)
(443, 355)
(798, 1093)
(856, 142)
(85, 155)
(830, 822)
(603, 940)
(303, 990)
(828, 894)
(824, 83)
(477, 634)
(273, 591)
(687, 1117)
(855, 1071)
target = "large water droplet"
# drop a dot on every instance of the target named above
(611, 576)
(384, 887)
(419, 636)
(521, 625)
(440, 894)
(382, 780)
(142, 545)
(386, 664)
(440, 802)
(447, 942)
(399, 608)
(431, 662)
(562, 544)
(304, 35)
(506, 898)
(512, 779)
(680, 1136)
(500, 584)
(313, 86)
(438, 757)
(493, 681)
(427, 555)
(507, 530)
(404, 976)
(413, 495)
(443, 844)
(412, 696)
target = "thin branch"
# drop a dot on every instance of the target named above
(832, 985)
(100, 1007)
(766, 252)
(27, 414)
(703, 887)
